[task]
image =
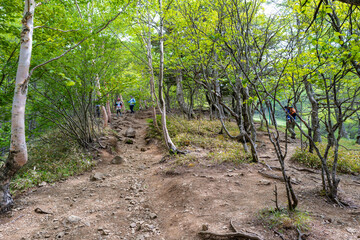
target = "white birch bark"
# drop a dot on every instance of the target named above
(171, 146)
(18, 155)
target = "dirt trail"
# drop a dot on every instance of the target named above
(142, 199)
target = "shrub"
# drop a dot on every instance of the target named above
(283, 218)
(57, 158)
(202, 134)
(348, 161)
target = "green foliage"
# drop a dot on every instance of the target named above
(57, 158)
(284, 219)
(204, 134)
(348, 161)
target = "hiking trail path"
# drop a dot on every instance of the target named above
(141, 198)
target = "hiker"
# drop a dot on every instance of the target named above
(290, 122)
(97, 110)
(132, 104)
(118, 106)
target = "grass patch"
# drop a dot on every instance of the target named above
(57, 158)
(192, 134)
(285, 219)
(348, 161)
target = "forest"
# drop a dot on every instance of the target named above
(238, 103)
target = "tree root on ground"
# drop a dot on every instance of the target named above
(273, 176)
(305, 170)
(227, 236)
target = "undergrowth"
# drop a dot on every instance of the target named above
(348, 161)
(284, 219)
(194, 134)
(56, 158)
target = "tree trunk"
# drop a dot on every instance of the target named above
(105, 116)
(18, 151)
(171, 146)
(180, 95)
(315, 123)
(167, 97)
(358, 134)
(123, 106)
(108, 111)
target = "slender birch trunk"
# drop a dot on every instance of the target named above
(147, 41)
(171, 146)
(18, 151)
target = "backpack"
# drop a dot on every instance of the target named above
(292, 111)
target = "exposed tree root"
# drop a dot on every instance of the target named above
(304, 170)
(279, 234)
(273, 176)
(226, 236)
(302, 236)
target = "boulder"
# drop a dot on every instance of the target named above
(130, 132)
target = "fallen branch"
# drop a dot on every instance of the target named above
(304, 170)
(270, 167)
(226, 236)
(40, 211)
(349, 149)
(273, 176)
(17, 218)
(300, 234)
(279, 234)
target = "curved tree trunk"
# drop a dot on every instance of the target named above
(18, 151)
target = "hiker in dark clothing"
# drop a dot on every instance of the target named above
(290, 120)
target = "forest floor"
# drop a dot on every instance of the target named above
(140, 198)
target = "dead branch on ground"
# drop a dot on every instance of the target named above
(273, 176)
(227, 236)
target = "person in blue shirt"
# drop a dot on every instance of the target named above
(132, 104)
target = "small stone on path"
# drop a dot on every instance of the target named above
(264, 182)
(73, 219)
(118, 160)
(97, 176)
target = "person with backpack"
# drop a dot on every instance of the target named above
(118, 106)
(132, 104)
(290, 120)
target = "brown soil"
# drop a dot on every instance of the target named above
(143, 199)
